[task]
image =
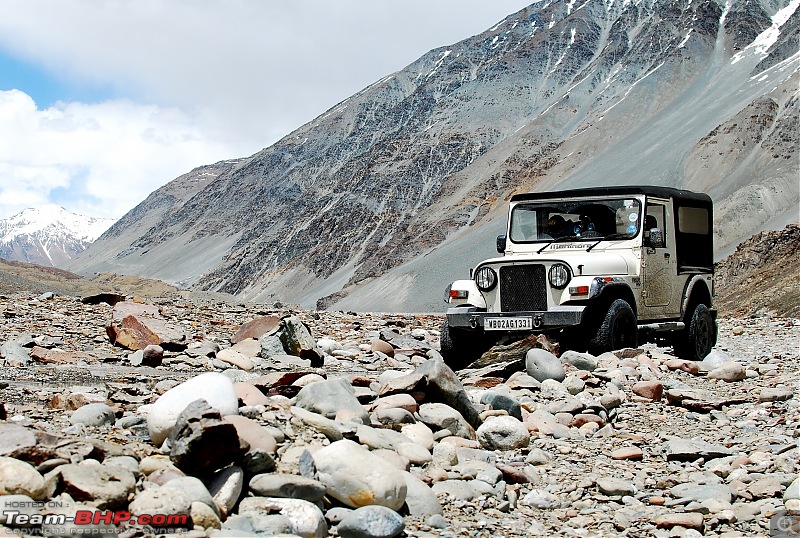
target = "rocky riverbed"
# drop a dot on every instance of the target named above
(350, 424)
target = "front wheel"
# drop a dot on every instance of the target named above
(461, 347)
(617, 330)
(696, 341)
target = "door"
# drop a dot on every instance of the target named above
(658, 260)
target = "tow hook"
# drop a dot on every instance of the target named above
(538, 320)
(473, 322)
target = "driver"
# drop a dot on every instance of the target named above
(556, 226)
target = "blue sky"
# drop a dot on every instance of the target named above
(103, 102)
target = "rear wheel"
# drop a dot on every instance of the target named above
(698, 339)
(461, 347)
(617, 329)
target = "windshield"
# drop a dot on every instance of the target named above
(579, 219)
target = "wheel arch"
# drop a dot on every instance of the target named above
(695, 292)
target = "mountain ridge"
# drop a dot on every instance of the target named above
(48, 235)
(554, 96)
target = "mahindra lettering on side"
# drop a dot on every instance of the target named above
(598, 269)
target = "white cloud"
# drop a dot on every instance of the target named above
(95, 159)
(202, 81)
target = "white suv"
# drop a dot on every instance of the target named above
(599, 269)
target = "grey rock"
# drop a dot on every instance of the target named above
(694, 491)
(503, 402)
(376, 438)
(689, 450)
(479, 470)
(581, 361)
(305, 517)
(297, 340)
(191, 487)
(226, 487)
(257, 524)
(464, 490)
(503, 433)
(93, 414)
(356, 477)
(440, 384)
(420, 499)
(440, 416)
(615, 486)
(541, 499)
(101, 485)
(329, 397)
(271, 345)
(287, 486)
(258, 460)
(541, 365)
(371, 522)
(14, 355)
(201, 442)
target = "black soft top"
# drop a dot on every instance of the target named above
(649, 190)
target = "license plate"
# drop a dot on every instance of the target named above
(508, 324)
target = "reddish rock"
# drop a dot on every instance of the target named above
(381, 345)
(652, 390)
(484, 382)
(627, 453)
(687, 520)
(124, 309)
(257, 328)
(256, 435)
(690, 367)
(137, 332)
(249, 394)
(584, 418)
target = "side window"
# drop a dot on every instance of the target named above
(655, 218)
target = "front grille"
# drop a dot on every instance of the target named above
(523, 288)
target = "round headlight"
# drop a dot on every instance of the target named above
(558, 276)
(485, 278)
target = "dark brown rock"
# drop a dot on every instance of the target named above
(256, 328)
(202, 442)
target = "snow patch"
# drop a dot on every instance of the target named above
(768, 37)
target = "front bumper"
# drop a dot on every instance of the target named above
(554, 318)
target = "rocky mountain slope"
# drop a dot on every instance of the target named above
(382, 200)
(48, 235)
(761, 276)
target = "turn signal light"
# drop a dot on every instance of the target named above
(579, 290)
(458, 294)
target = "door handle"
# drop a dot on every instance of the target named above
(666, 255)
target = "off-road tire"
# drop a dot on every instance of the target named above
(617, 329)
(700, 336)
(461, 347)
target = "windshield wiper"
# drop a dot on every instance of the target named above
(558, 240)
(606, 238)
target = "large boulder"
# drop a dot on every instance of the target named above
(215, 388)
(356, 477)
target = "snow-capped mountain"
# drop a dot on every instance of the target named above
(48, 235)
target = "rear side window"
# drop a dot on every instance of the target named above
(693, 220)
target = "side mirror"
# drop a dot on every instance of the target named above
(501, 243)
(657, 238)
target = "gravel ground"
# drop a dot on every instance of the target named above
(563, 492)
